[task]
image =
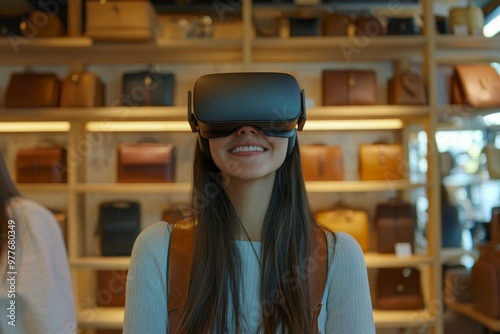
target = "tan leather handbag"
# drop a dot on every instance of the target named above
(381, 162)
(349, 87)
(42, 24)
(406, 88)
(82, 89)
(485, 281)
(33, 90)
(467, 20)
(336, 24)
(351, 221)
(322, 162)
(475, 85)
(41, 165)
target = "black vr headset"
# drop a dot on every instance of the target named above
(223, 102)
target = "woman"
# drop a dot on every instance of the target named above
(252, 244)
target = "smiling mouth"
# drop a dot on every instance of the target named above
(251, 148)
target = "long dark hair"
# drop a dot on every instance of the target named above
(286, 237)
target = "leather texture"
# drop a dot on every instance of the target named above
(146, 162)
(369, 25)
(406, 88)
(349, 87)
(395, 223)
(148, 88)
(476, 85)
(33, 90)
(41, 165)
(180, 261)
(381, 162)
(177, 211)
(322, 162)
(42, 24)
(120, 21)
(336, 24)
(351, 221)
(485, 281)
(82, 89)
(399, 289)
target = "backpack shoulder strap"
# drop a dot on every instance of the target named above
(180, 255)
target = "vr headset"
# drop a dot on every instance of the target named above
(223, 102)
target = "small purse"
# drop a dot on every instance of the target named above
(304, 26)
(349, 87)
(381, 161)
(369, 25)
(42, 24)
(322, 162)
(399, 289)
(148, 88)
(402, 26)
(395, 223)
(33, 90)
(476, 86)
(82, 89)
(41, 165)
(406, 88)
(336, 24)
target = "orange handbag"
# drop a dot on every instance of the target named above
(82, 89)
(322, 162)
(351, 221)
(406, 88)
(381, 162)
(475, 85)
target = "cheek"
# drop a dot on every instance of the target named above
(280, 147)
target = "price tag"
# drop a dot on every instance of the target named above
(403, 249)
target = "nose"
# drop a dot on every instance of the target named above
(247, 129)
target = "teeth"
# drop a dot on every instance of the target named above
(247, 149)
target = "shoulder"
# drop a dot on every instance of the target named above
(343, 249)
(154, 238)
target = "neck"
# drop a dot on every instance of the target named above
(250, 199)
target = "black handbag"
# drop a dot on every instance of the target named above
(120, 224)
(402, 26)
(300, 26)
(148, 88)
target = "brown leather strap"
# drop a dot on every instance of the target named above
(179, 268)
(180, 255)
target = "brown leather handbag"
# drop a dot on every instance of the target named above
(369, 25)
(111, 285)
(42, 24)
(394, 223)
(82, 89)
(146, 162)
(495, 224)
(322, 162)
(354, 222)
(475, 85)
(41, 165)
(381, 161)
(336, 24)
(399, 289)
(349, 87)
(33, 90)
(485, 281)
(406, 88)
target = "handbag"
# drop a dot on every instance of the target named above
(32, 90)
(475, 85)
(322, 162)
(336, 24)
(369, 25)
(381, 161)
(495, 224)
(402, 26)
(266, 26)
(146, 162)
(120, 21)
(41, 24)
(349, 87)
(351, 221)
(406, 88)
(395, 223)
(399, 289)
(82, 89)
(148, 88)
(41, 165)
(467, 20)
(485, 281)
(304, 26)
(492, 161)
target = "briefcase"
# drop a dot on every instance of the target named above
(406, 88)
(475, 85)
(322, 162)
(82, 89)
(120, 21)
(32, 90)
(304, 26)
(148, 88)
(381, 161)
(351, 221)
(399, 289)
(119, 226)
(42, 24)
(394, 223)
(41, 165)
(146, 162)
(336, 24)
(485, 281)
(349, 87)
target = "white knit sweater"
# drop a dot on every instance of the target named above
(347, 307)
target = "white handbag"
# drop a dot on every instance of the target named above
(120, 21)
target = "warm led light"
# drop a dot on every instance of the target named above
(493, 27)
(106, 126)
(492, 119)
(34, 126)
(372, 124)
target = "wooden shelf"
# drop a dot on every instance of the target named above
(123, 188)
(360, 186)
(367, 112)
(101, 317)
(376, 260)
(403, 319)
(42, 187)
(101, 262)
(468, 310)
(452, 49)
(450, 255)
